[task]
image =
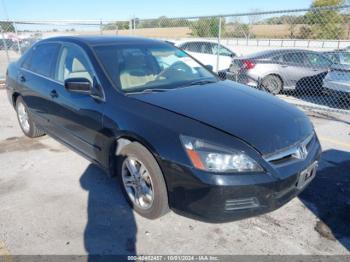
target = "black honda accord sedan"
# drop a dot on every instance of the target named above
(176, 136)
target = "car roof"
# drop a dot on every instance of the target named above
(93, 40)
(269, 53)
(340, 51)
(197, 41)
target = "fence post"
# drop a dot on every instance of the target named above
(17, 39)
(101, 29)
(5, 45)
(219, 40)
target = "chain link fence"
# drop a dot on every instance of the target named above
(300, 55)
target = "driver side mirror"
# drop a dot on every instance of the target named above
(209, 67)
(78, 84)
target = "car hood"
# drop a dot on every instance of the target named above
(265, 122)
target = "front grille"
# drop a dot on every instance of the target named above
(298, 151)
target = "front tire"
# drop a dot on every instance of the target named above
(142, 181)
(25, 120)
(272, 84)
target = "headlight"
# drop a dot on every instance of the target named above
(215, 158)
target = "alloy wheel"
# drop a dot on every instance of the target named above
(137, 183)
(23, 117)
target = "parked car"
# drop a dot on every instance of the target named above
(277, 70)
(173, 133)
(6, 43)
(338, 57)
(337, 81)
(206, 53)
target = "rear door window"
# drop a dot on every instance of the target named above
(294, 58)
(316, 60)
(44, 59)
(194, 47)
(221, 50)
(277, 58)
(333, 57)
(346, 58)
(206, 48)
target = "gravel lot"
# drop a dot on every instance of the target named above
(55, 202)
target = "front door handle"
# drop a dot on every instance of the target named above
(53, 94)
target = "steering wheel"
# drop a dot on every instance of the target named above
(177, 66)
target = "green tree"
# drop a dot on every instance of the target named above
(7, 27)
(207, 27)
(239, 30)
(283, 19)
(325, 24)
(116, 25)
(163, 22)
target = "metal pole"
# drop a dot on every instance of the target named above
(218, 51)
(130, 27)
(17, 39)
(101, 29)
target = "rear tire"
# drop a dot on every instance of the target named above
(272, 84)
(144, 188)
(25, 120)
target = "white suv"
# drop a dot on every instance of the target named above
(206, 53)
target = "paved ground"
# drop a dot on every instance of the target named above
(52, 201)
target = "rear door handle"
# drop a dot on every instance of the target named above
(22, 78)
(53, 94)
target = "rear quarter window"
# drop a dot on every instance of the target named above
(26, 60)
(294, 58)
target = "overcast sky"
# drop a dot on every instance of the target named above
(122, 9)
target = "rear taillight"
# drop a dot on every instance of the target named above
(248, 64)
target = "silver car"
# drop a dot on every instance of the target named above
(278, 70)
(337, 81)
(338, 57)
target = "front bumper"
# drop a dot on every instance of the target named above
(9, 92)
(242, 78)
(220, 198)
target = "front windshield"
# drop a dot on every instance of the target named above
(136, 68)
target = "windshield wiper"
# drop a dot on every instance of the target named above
(149, 90)
(201, 82)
